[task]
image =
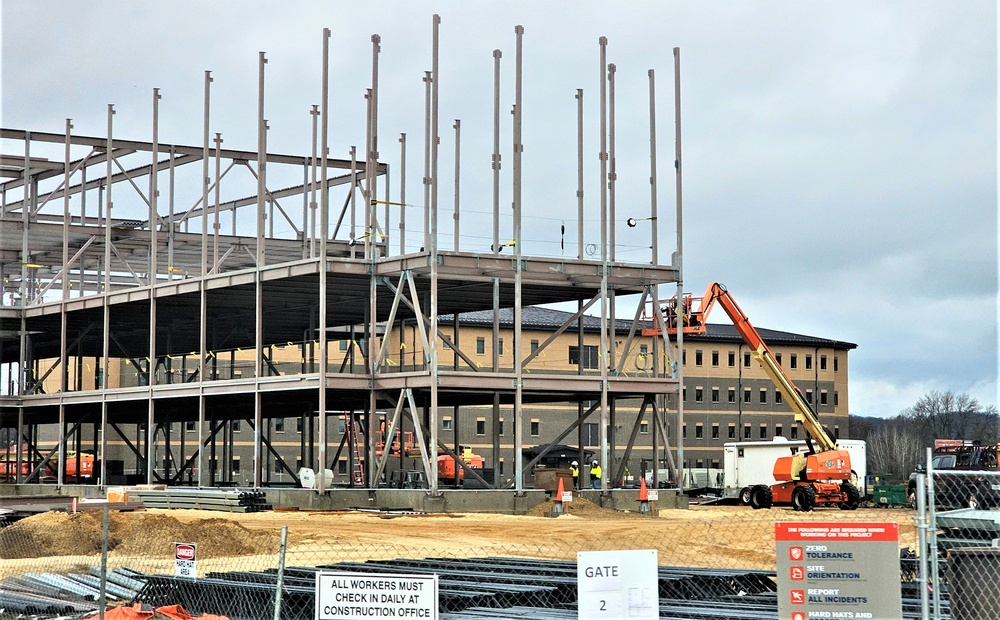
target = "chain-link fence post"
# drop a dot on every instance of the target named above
(932, 524)
(103, 602)
(921, 521)
(281, 572)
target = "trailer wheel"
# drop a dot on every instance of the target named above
(761, 497)
(852, 497)
(745, 496)
(803, 498)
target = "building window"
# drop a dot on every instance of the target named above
(500, 346)
(699, 464)
(732, 431)
(715, 395)
(746, 360)
(480, 346)
(342, 467)
(277, 467)
(684, 395)
(732, 395)
(746, 395)
(822, 397)
(589, 356)
(715, 463)
(298, 425)
(763, 431)
(835, 364)
(236, 426)
(794, 432)
(480, 426)
(836, 399)
(779, 431)
(715, 358)
(189, 426)
(501, 467)
(822, 362)
(699, 395)
(697, 357)
(644, 427)
(534, 428)
(534, 346)
(732, 359)
(343, 345)
(809, 362)
(836, 432)
(236, 464)
(699, 431)
(763, 396)
(279, 425)
(777, 358)
(446, 423)
(746, 431)
(298, 463)
(795, 362)
(500, 426)
(715, 431)
(778, 398)
(590, 434)
(809, 396)
(684, 430)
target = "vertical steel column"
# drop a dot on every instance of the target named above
(679, 263)
(428, 78)
(153, 222)
(311, 228)
(371, 184)
(603, 360)
(106, 335)
(658, 399)
(432, 337)
(63, 373)
(496, 153)
(205, 269)
(324, 215)
(612, 299)
(66, 222)
(518, 369)
(215, 209)
(258, 365)
(171, 226)
(402, 194)
(579, 173)
(458, 138)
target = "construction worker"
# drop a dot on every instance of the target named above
(595, 475)
(574, 469)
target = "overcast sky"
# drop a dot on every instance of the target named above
(840, 158)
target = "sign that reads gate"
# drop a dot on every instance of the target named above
(364, 596)
(838, 570)
(185, 560)
(615, 585)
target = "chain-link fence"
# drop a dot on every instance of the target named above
(715, 561)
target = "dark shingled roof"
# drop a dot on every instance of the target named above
(534, 317)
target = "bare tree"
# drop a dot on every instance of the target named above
(946, 415)
(894, 449)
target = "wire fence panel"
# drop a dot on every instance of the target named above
(715, 561)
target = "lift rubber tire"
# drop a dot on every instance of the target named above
(760, 497)
(803, 498)
(745, 496)
(852, 495)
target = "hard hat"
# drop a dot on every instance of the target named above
(574, 463)
(595, 463)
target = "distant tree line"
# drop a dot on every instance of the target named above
(896, 445)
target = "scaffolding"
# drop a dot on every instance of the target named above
(140, 292)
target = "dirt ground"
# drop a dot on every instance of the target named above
(715, 536)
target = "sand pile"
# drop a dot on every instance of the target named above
(586, 509)
(136, 534)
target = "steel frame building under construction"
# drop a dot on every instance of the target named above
(217, 317)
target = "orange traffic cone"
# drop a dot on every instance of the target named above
(557, 508)
(643, 496)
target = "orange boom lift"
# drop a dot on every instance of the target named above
(822, 476)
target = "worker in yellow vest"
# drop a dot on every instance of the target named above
(574, 470)
(595, 475)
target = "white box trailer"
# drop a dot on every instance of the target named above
(746, 463)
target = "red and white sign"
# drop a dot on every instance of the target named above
(798, 615)
(797, 573)
(798, 597)
(795, 553)
(185, 560)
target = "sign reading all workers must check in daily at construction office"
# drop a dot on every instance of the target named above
(363, 596)
(838, 570)
(617, 584)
